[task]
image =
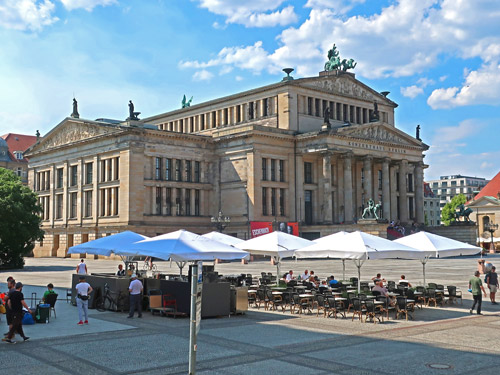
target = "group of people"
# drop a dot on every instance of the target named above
(476, 287)
(14, 304)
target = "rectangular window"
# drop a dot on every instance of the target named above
(309, 106)
(273, 170)
(59, 183)
(238, 113)
(344, 117)
(282, 170)
(168, 202)
(308, 206)
(59, 206)
(117, 168)
(214, 117)
(88, 203)
(188, 171)
(157, 168)
(264, 201)
(116, 204)
(74, 205)
(178, 170)
(74, 175)
(264, 169)
(338, 115)
(158, 201)
(265, 110)
(273, 202)
(168, 169)
(317, 107)
(196, 203)
(410, 183)
(187, 202)
(397, 182)
(380, 179)
(282, 202)
(202, 122)
(178, 202)
(250, 111)
(308, 178)
(89, 172)
(332, 110)
(197, 171)
(323, 107)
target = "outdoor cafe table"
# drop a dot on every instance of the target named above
(277, 293)
(300, 287)
(278, 288)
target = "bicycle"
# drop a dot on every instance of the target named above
(149, 265)
(107, 302)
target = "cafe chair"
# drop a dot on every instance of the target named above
(51, 300)
(432, 285)
(261, 299)
(403, 308)
(334, 307)
(422, 298)
(357, 309)
(386, 307)
(320, 304)
(432, 296)
(372, 312)
(454, 294)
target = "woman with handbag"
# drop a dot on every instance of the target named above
(83, 289)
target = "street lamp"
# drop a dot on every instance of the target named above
(490, 227)
(220, 221)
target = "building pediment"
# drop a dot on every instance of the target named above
(485, 201)
(71, 131)
(345, 84)
(379, 132)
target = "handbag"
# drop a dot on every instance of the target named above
(83, 298)
(2, 309)
(28, 319)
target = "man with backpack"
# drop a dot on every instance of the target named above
(491, 281)
(16, 304)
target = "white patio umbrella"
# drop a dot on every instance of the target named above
(321, 248)
(276, 244)
(108, 245)
(224, 238)
(360, 246)
(437, 246)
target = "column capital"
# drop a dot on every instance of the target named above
(403, 162)
(368, 158)
(386, 160)
(347, 155)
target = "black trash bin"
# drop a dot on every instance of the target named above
(42, 313)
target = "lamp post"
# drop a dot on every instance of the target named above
(220, 221)
(490, 227)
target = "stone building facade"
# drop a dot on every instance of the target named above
(260, 155)
(12, 147)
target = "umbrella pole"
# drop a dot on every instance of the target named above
(277, 260)
(424, 261)
(192, 319)
(343, 269)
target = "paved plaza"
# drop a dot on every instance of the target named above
(443, 340)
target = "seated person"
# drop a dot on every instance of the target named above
(289, 276)
(379, 287)
(378, 278)
(50, 290)
(121, 271)
(313, 279)
(323, 285)
(333, 283)
(131, 270)
(305, 275)
(403, 280)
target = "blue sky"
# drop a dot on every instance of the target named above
(440, 59)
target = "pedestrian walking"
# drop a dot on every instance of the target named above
(492, 284)
(135, 288)
(11, 287)
(81, 268)
(475, 286)
(16, 304)
(83, 289)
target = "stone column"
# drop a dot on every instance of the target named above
(419, 193)
(348, 211)
(393, 195)
(327, 215)
(403, 204)
(386, 195)
(368, 182)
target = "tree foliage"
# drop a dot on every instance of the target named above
(448, 212)
(19, 220)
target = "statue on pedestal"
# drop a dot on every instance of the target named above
(418, 133)
(75, 113)
(375, 114)
(131, 114)
(370, 212)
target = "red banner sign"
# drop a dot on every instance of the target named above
(258, 228)
(293, 228)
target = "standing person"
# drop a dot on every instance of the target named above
(135, 288)
(83, 289)
(11, 286)
(81, 268)
(492, 283)
(476, 285)
(16, 304)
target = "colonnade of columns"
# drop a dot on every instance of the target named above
(397, 184)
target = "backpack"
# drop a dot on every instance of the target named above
(486, 278)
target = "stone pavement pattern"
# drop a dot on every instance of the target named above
(259, 342)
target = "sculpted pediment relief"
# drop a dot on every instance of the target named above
(343, 86)
(73, 132)
(378, 133)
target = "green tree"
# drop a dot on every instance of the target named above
(448, 212)
(20, 220)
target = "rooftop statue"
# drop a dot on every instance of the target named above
(375, 116)
(334, 62)
(185, 103)
(131, 114)
(418, 133)
(75, 113)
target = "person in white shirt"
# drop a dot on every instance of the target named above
(305, 275)
(81, 268)
(403, 280)
(83, 289)
(135, 288)
(289, 276)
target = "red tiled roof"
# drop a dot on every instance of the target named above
(492, 188)
(18, 142)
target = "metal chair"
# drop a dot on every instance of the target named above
(386, 307)
(402, 307)
(51, 300)
(371, 312)
(357, 309)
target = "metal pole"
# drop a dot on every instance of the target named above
(192, 318)
(343, 269)
(359, 277)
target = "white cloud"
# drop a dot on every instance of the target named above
(27, 14)
(202, 75)
(481, 86)
(443, 78)
(88, 5)
(412, 91)
(465, 129)
(256, 13)
(338, 6)
(239, 78)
